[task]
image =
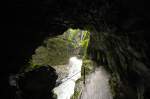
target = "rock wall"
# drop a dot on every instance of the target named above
(36, 84)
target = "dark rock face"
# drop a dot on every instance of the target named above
(37, 84)
(125, 57)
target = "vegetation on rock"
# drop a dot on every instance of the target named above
(54, 53)
(121, 56)
(57, 50)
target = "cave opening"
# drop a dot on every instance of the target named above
(119, 33)
(54, 52)
(118, 53)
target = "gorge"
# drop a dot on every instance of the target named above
(119, 39)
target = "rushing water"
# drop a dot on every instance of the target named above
(97, 86)
(66, 89)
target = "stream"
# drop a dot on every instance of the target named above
(66, 89)
(96, 87)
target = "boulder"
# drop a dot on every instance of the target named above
(37, 84)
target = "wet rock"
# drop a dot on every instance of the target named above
(37, 84)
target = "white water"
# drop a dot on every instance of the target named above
(97, 86)
(66, 89)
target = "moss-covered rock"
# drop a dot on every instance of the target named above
(87, 67)
(57, 50)
(54, 53)
(78, 89)
(124, 56)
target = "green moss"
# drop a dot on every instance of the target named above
(57, 50)
(78, 89)
(76, 95)
(78, 39)
(54, 53)
(88, 66)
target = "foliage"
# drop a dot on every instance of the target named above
(79, 39)
(54, 53)
(85, 42)
(57, 50)
(88, 66)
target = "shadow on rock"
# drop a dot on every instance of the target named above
(36, 84)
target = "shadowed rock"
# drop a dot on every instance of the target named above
(37, 84)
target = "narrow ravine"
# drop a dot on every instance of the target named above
(97, 86)
(66, 89)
